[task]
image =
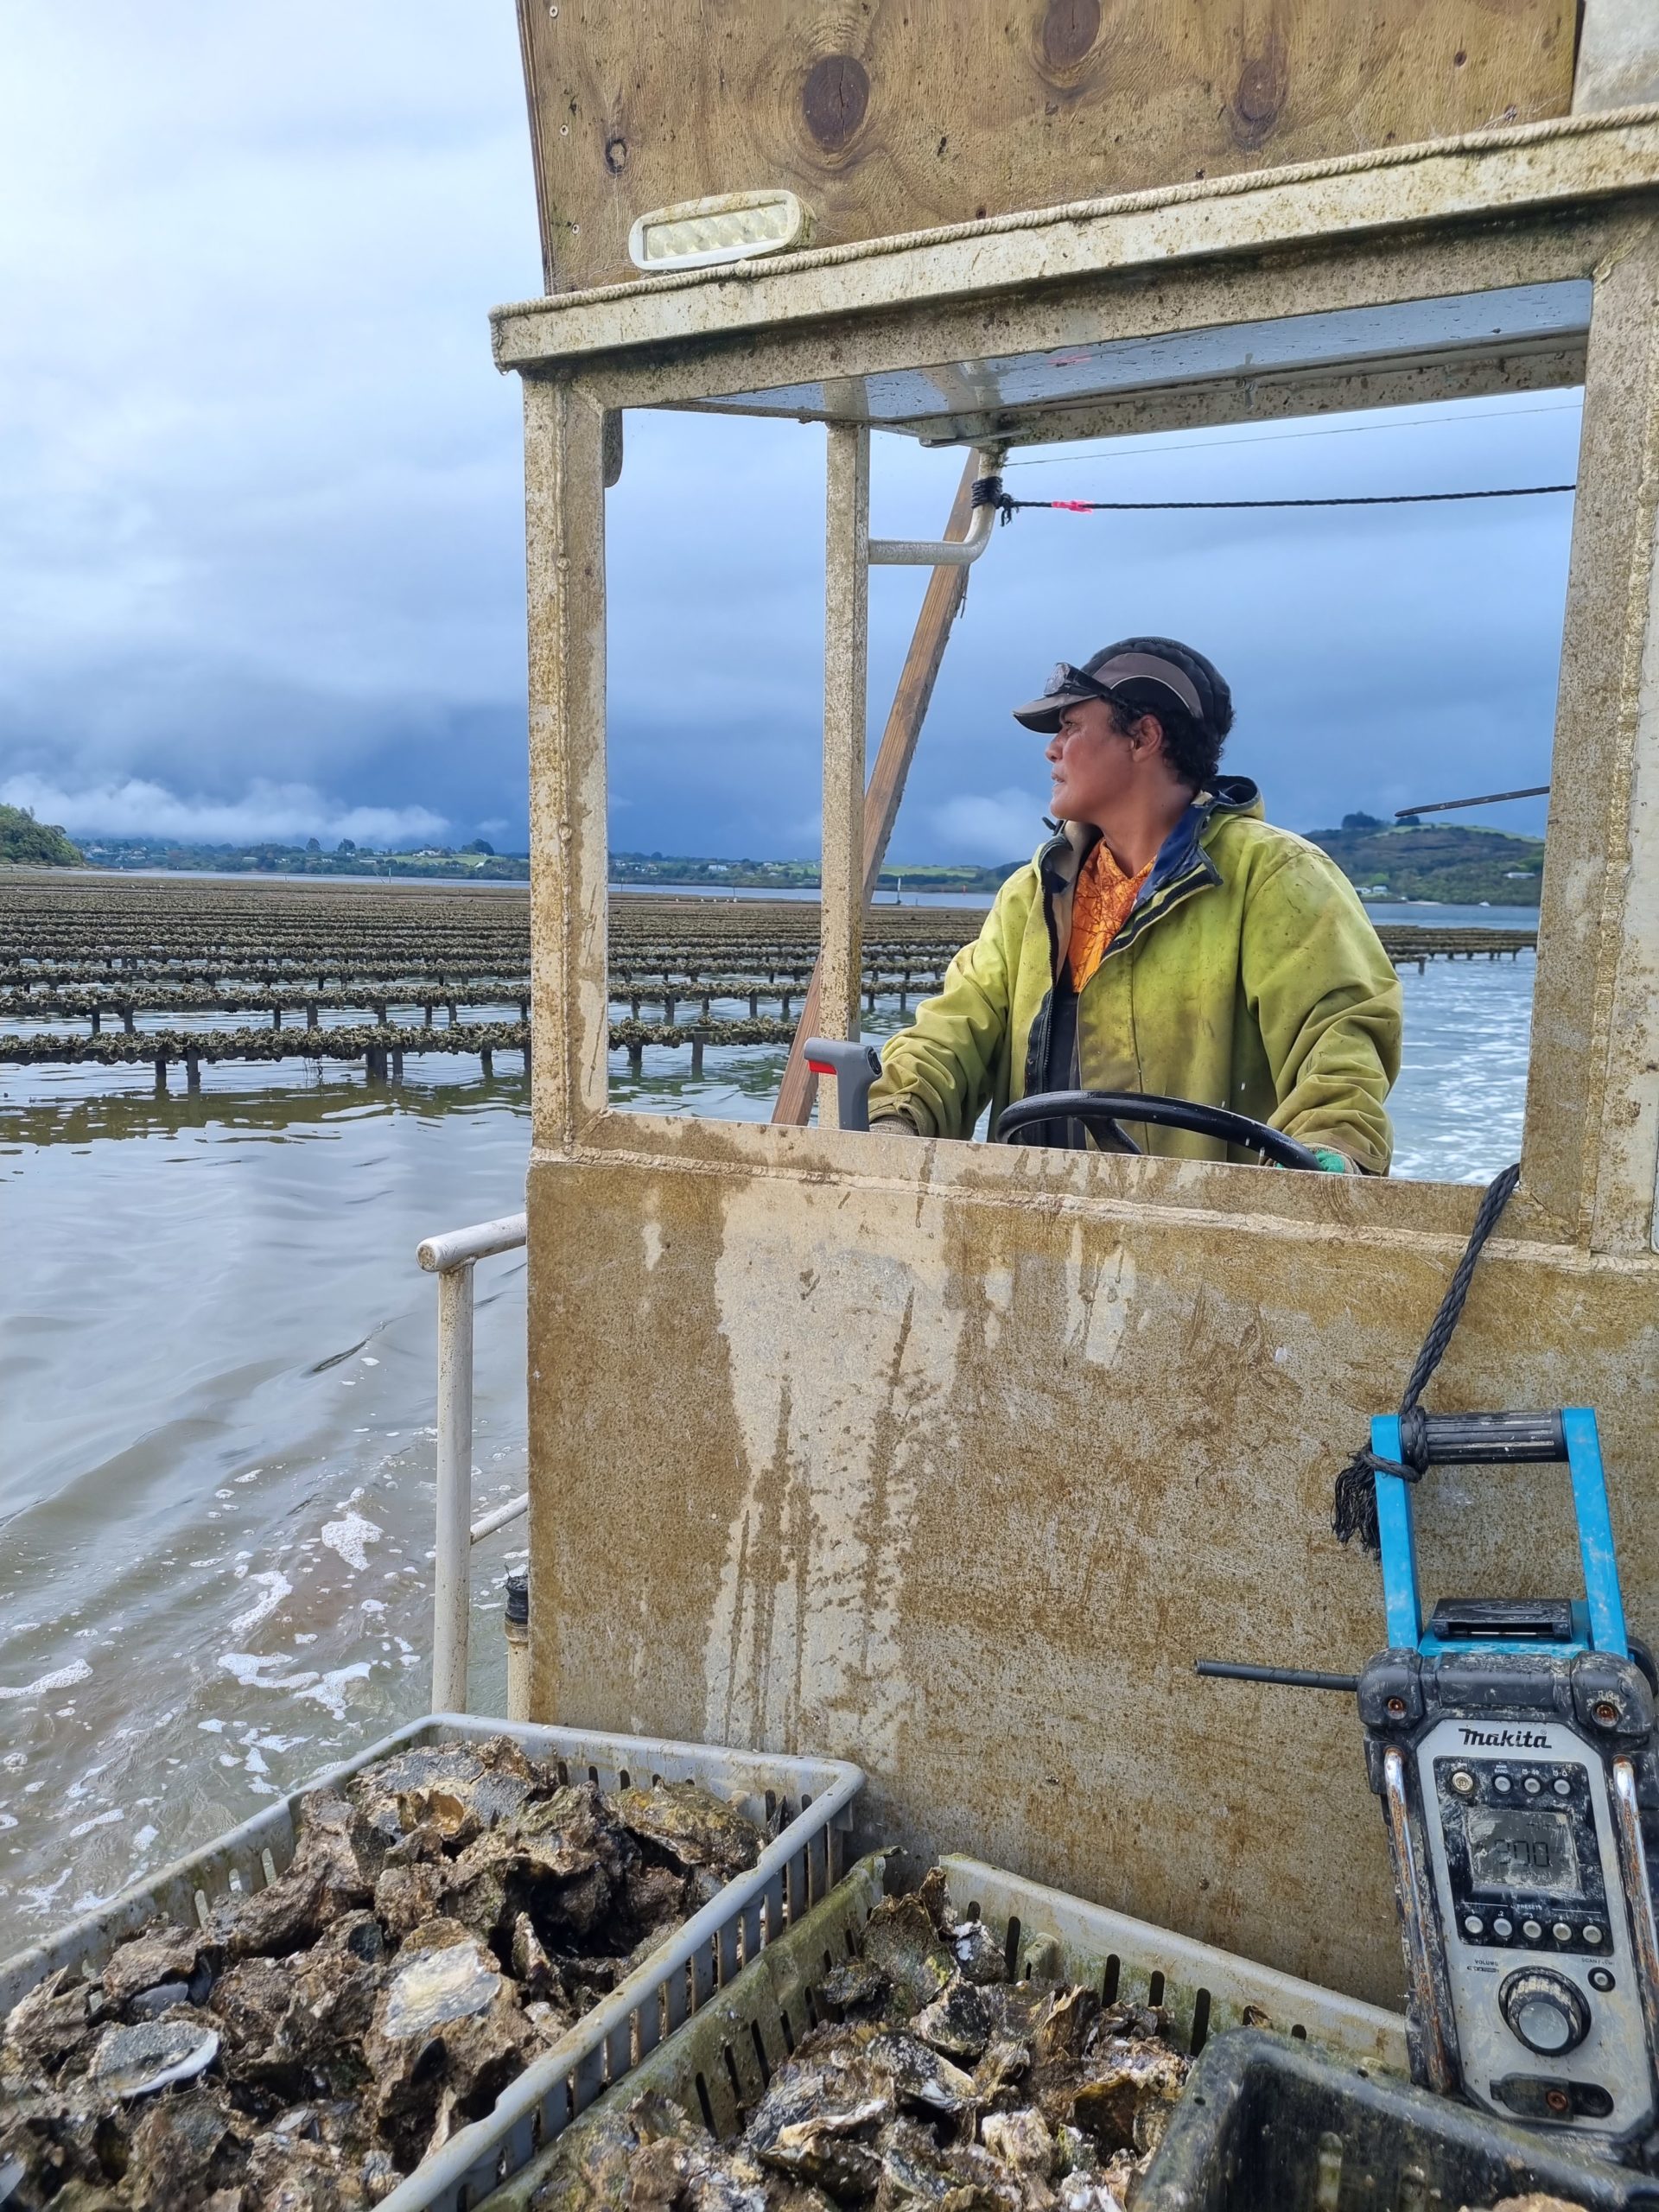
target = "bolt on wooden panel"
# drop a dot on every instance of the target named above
(898, 115)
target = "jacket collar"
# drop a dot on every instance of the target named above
(1183, 866)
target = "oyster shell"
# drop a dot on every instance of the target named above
(855, 1985)
(692, 1825)
(959, 2022)
(448, 2035)
(181, 2146)
(1126, 2099)
(900, 1939)
(1022, 2140)
(136, 2061)
(323, 1879)
(979, 1956)
(162, 1955)
(815, 2121)
(918, 2169)
(52, 2025)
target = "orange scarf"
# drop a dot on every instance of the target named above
(1101, 903)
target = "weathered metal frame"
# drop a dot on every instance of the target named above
(813, 1411)
(452, 1257)
(1572, 200)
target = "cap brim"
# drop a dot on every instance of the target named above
(1043, 715)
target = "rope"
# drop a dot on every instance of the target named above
(1009, 506)
(1354, 1509)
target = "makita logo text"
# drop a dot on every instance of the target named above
(1506, 1739)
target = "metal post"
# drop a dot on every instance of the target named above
(451, 1258)
(846, 666)
(454, 1565)
(516, 1624)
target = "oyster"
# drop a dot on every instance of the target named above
(855, 1986)
(958, 2022)
(462, 1790)
(899, 1938)
(1021, 2139)
(54, 2024)
(135, 2062)
(181, 2148)
(918, 2169)
(815, 2121)
(692, 1825)
(447, 2037)
(323, 1879)
(979, 1956)
(1126, 2099)
(163, 1956)
(921, 2076)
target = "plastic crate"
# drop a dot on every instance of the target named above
(720, 2063)
(1267, 2125)
(812, 1797)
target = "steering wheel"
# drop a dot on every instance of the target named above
(1098, 1111)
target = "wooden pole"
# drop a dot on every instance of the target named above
(846, 708)
(941, 603)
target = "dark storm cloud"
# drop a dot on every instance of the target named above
(260, 518)
(1378, 656)
(260, 558)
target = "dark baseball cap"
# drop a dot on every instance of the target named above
(1110, 675)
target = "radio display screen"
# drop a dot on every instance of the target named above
(1522, 1851)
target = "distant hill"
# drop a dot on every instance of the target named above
(671, 868)
(25, 843)
(475, 861)
(1461, 865)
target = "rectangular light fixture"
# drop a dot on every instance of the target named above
(731, 226)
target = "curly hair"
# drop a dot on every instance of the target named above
(1191, 746)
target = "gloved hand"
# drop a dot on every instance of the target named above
(892, 1125)
(1334, 1163)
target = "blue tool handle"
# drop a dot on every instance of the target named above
(1479, 1436)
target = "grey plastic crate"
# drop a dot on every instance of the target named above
(1267, 2125)
(811, 1797)
(718, 2064)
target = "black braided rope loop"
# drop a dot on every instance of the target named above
(1354, 1505)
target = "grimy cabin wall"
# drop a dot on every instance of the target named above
(958, 1483)
(901, 114)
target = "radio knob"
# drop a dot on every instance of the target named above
(1545, 2011)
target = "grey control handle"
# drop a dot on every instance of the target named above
(855, 1067)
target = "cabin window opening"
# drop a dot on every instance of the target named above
(1381, 657)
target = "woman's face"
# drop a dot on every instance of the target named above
(1091, 761)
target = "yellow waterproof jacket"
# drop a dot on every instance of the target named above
(1248, 974)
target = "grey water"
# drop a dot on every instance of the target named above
(217, 1359)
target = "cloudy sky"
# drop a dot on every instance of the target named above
(261, 568)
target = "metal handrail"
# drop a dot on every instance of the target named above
(945, 552)
(452, 1258)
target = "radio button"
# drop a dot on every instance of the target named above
(1591, 1934)
(1502, 1782)
(1532, 1785)
(1545, 2011)
(1504, 1927)
(1563, 1787)
(1562, 1932)
(1463, 1783)
(1600, 1979)
(1473, 1924)
(1531, 1930)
